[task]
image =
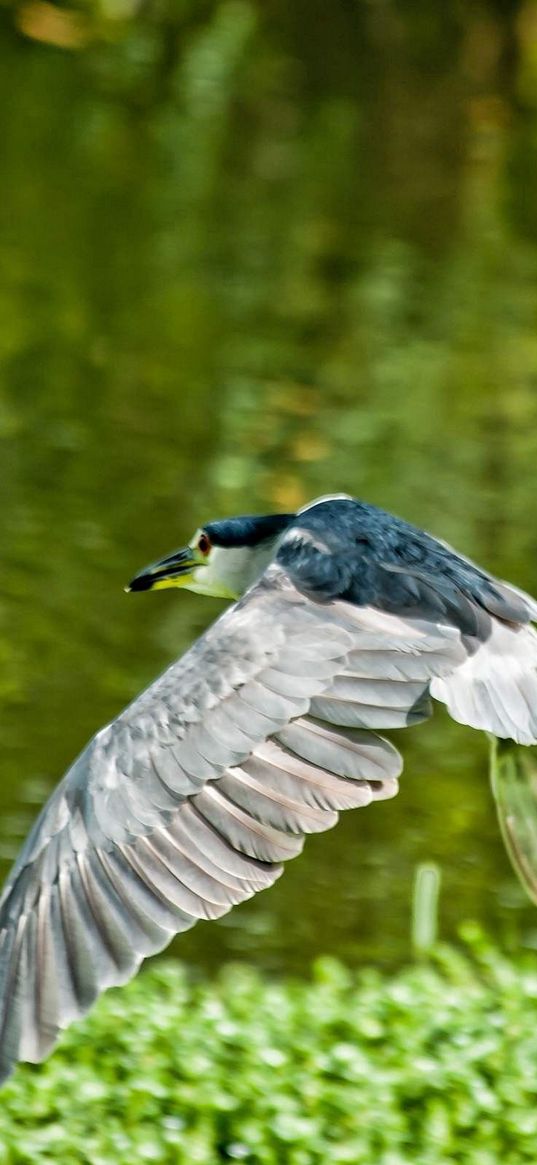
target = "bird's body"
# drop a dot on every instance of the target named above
(190, 800)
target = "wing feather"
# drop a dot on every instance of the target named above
(254, 838)
(273, 764)
(495, 689)
(273, 806)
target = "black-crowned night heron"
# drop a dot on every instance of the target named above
(350, 620)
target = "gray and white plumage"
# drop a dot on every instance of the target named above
(192, 798)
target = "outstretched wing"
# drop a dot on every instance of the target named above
(191, 799)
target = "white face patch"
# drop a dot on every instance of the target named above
(229, 571)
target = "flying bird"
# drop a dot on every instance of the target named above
(345, 620)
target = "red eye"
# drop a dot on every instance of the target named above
(204, 544)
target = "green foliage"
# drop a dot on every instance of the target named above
(435, 1064)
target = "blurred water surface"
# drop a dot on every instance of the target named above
(251, 253)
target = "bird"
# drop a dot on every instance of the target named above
(344, 621)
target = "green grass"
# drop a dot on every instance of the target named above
(436, 1064)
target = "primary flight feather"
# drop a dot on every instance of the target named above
(350, 620)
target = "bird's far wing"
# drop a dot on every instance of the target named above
(187, 803)
(407, 573)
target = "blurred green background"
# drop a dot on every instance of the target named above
(251, 252)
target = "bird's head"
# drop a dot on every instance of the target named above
(222, 559)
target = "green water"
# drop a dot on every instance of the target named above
(250, 254)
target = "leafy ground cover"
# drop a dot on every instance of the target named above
(436, 1064)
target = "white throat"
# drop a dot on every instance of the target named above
(231, 570)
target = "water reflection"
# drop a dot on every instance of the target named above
(246, 260)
